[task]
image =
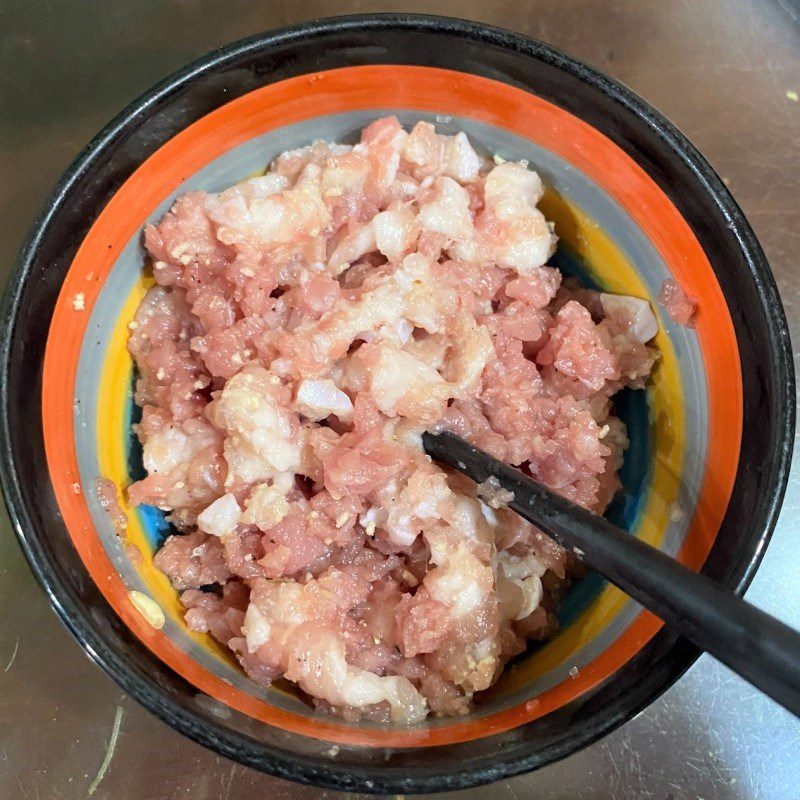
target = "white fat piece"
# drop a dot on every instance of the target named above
(256, 628)
(267, 506)
(525, 573)
(319, 399)
(221, 517)
(635, 311)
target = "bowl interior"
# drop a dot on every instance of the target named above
(633, 203)
(602, 242)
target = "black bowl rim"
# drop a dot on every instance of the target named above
(240, 747)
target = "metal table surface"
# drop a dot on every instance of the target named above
(726, 73)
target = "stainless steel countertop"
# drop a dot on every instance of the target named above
(724, 72)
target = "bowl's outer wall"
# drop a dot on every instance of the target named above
(228, 73)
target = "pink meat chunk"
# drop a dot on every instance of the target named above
(680, 306)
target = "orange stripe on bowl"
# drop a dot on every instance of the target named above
(423, 89)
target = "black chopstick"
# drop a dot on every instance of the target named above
(757, 646)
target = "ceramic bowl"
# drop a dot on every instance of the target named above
(633, 203)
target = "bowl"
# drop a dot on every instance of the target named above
(633, 203)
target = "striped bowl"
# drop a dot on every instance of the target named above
(633, 204)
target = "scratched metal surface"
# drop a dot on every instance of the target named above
(725, 72)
